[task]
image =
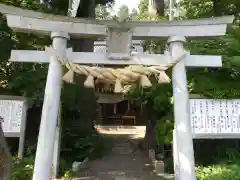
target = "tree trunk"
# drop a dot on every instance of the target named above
(86, 10)
(217, 7)
(149, 138)
(149, 141)
(88, 110)
(156, 7)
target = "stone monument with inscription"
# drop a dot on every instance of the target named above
(13, 110)
(215, 118)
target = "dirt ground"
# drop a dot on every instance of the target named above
(125, 162)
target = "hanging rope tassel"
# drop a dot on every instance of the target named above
(127, 75)
(163, 78)
(118, 86)
(89, 82)
(69, 77)
(145, 82)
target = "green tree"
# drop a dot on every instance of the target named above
(102, 12)
(123, 12)
(28, 79)
(134, 14)
(210, 82)
(20, 85)
(156, 7)
(88, 100)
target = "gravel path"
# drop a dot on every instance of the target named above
(125, 162)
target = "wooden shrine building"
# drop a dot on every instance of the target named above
(115, 109)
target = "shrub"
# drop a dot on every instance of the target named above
(22, 170)
(219, 172)
(68, 175)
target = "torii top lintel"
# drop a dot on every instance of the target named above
(36, 22)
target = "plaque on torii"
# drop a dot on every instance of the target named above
(118, 53)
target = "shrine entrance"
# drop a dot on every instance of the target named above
(109, 68)
(117, 113)
(115, 109)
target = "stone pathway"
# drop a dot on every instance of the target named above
(125, 162)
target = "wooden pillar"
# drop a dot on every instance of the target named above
(115, 108)
(184, 149)
(100, 114)
(128, 106)
(104, 114)
(45, 146)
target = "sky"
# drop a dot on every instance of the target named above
(130, 3)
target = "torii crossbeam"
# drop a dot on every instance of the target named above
(89, 58)
(36, 22)
(61, 28)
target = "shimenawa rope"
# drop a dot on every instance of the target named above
(119, 76)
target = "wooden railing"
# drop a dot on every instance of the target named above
(5, 157)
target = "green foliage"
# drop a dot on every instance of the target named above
(227, 167)
(213, 83)
(102, 12)
(219, 172)
(210, 82)
(158, 96)
(197, 8)
(17, 77)
(208, 8)
(22, 170)
(68, 175)
(76, 148)
(163, 129)
(28, 79)
(88, 145)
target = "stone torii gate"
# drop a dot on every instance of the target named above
(61, 28)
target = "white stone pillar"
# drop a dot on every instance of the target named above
(56, 152)
(45, 146)
(184, 142)
(175, 155)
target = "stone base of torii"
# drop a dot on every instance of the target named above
(119, 37)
